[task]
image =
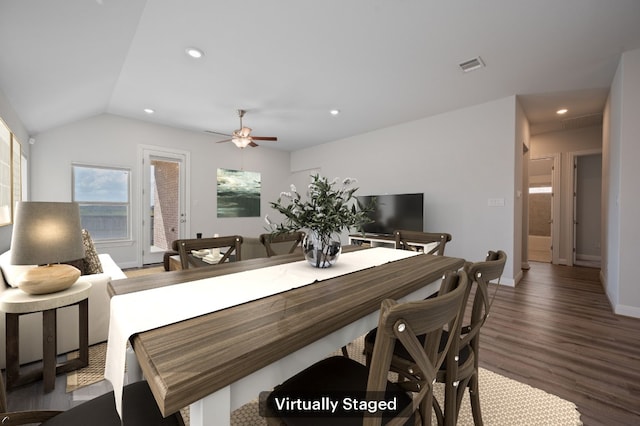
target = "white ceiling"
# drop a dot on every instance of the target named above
(288, 62)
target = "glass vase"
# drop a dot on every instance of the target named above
(321, 251)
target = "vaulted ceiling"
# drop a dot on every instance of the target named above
(289, 62)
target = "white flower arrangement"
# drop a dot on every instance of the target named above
(327, 210)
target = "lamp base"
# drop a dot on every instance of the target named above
(48, 279)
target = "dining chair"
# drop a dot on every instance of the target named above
(460, 370)
(139, 409)
(429, 242)
(339, 377)
(275, 244)
(459, 373)
(186, 249)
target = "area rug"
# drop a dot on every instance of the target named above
(92, 373)
(504, 402)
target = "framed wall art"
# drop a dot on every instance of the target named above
(238, 193)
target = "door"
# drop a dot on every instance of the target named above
(164, 217)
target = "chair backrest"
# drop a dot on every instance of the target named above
(480, 274)
(269, 241)
(185, 248)
(402, 323)
(414, 240)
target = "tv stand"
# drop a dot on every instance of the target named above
(373, 240)
(386, 240)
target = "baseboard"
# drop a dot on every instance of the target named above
(627, 311)
(509, 282)
(588, 257)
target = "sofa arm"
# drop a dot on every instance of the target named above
(110, 268)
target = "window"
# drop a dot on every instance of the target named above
(10, 174)
(540, 190)
(103, 194)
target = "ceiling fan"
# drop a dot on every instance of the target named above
(242, 137)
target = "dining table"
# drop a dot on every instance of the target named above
(217, 361)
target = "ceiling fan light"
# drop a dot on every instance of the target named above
(241, 142)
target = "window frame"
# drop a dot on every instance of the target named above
(128, 204)
(11, 185)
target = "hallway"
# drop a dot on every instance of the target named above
(556, 331)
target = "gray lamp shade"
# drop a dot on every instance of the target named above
(46, 232)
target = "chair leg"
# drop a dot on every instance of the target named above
(450, 406)
(345, 353)
(474, 397)
(438, 411)
(425, 409)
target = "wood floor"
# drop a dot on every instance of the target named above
(555, 331)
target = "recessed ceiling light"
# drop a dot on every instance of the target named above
(334, 112)
(562, 111)
(194, 52)
(149, 110)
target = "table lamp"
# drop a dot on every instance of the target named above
(46, 233)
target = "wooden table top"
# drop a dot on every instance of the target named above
(146, 282)
(186, 361)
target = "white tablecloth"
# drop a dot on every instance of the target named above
(145, 310)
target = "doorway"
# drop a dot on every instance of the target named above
(542, 209)
(164, 194)
(587, 183)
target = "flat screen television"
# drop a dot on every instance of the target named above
(394, 211)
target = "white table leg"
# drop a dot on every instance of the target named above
(134, 372)
(212, 410)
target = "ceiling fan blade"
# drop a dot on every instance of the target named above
(253, 144)
(225, 140)
(264, 138)
(217, 133)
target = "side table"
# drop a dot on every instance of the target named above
(14, 302)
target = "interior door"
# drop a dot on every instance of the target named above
(164, 217)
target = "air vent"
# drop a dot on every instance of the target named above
(471, 64)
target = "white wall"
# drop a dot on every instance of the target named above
(521, 188)
(15, 124)
(458, 160)
(622, 154)
(113, 141)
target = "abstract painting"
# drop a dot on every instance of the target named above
(238, 193)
